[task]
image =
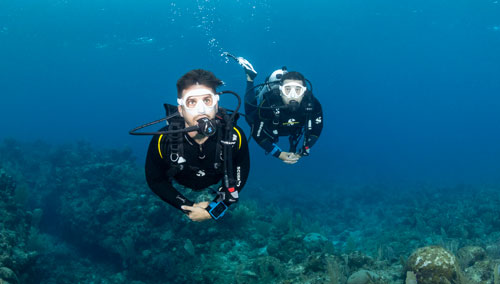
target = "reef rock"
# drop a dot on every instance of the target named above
(8, 276)
(358, 260)
(469, 255)
(481, 272)
(434, 265)
(315, 242)
(410, 278)
(493, 251)
(363, 277)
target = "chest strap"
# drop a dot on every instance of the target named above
(172, 145)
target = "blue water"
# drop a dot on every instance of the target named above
(410, 89)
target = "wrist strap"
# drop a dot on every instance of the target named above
(217, 209)
(275, 149)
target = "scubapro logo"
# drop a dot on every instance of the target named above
(238, 176)
(200, 173)
(318, 120)
(291, 122)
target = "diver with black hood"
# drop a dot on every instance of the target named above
(200, 147)
(282, 106)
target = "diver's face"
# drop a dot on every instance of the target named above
(292, 90)
(197, 101)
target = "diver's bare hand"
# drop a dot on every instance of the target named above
(247, 66)
(197, 214)
(289, 158)
(203, 204)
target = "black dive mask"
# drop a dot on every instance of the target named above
(293, 106)
(206, 126)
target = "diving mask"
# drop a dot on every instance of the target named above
(293, 90)
(199, 101)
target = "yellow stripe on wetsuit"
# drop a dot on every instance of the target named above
(239, 135)
(159, 146)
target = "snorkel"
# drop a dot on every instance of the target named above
(205, 126)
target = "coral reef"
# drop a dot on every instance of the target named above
(469, 255)
(363, 277)
(77, 214)
(496, 276)
(16, 254)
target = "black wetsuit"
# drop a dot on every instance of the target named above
(269, 124)
(199, 171)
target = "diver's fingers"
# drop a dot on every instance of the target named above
(203, 204)
(247, 65)
(243, 62)
(187, 208)
(225, 53)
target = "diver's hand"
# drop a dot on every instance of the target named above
(251, 73)
(203, 204)
(196, 213)
(289, 158)
(247, 66)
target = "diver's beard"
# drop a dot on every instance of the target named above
(194, 134)
(293, 105)
(205, 127)
(194, 122)
(196, 117)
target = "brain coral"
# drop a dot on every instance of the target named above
(434, 265)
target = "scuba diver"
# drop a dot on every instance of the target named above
(200, 147)
(282, 106)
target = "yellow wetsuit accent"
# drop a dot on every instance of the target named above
(159, 146)
(239, 136)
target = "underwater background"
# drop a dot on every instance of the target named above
(409, 156)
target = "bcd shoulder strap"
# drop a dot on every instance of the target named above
(172, 147)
